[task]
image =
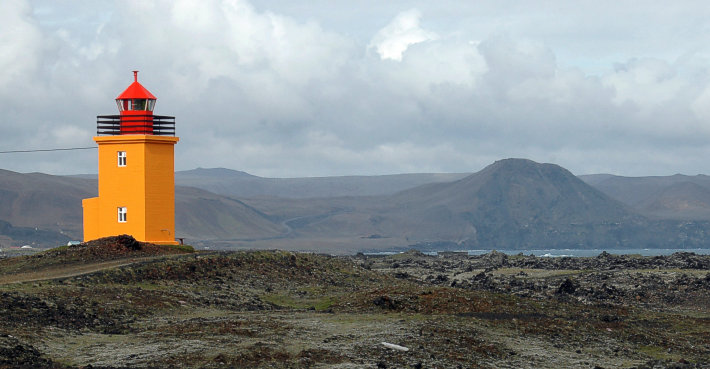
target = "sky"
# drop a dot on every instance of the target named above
(284, 88)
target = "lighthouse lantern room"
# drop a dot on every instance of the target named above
(136, 172)
(136, 107)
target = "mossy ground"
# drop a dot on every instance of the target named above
(284, 310)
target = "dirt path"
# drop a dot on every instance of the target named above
(71, 270)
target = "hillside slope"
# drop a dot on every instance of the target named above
(202, 215)
(513, 203)
(42, 200)
(243, 185)
(521, 203)
(683, 200)
(46, 210)
(660, 197)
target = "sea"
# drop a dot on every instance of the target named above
(570, 252)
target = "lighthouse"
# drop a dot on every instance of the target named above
(136, 172)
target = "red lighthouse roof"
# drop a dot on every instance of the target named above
(136, 90)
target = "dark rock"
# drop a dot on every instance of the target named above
(385, 302)
(128, 242)
(15, 354)
(496, 259)
(482, 276)
(401, 275)
(567, 287)
(610, 318)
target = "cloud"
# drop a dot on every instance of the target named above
(273, 94)
(701, 105)
(645, 82)
(21, 45)
(393, 40)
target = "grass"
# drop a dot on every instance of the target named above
(538, 273)
(216, 324)
(184, 248)
(656, 352)
(62, 249)
(285, 300)
(25, 287)
(56, 249)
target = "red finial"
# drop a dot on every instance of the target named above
(135, 75)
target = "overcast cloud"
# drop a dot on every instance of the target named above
(286, 88)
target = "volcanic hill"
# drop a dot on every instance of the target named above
(517, 203)
(511, 204)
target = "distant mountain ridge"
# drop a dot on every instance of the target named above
(679, 197)
(241, 184)
(511, 204)
(43, 201)
(46, 210)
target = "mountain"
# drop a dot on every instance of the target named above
(663, 197)
(513, 203)
(46, 210)
(520, 189)
(683, 200)
(243, 185)
(10, 235)
(202, 215)
(42, 202)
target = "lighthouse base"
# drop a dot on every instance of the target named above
(136, 190)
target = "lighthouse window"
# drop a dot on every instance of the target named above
(122, 215)
(139, 104)
(135, 104)
(121, 158)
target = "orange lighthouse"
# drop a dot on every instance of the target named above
(136, 172)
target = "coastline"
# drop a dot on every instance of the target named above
(560, 252)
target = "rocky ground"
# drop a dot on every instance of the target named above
(174, 308)
(679, 280)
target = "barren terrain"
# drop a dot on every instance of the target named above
(138, 305)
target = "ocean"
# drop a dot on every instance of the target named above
(592, 252)
(569, 252)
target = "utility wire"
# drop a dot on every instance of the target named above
(41, 150)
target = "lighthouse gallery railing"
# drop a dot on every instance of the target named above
(159, 125)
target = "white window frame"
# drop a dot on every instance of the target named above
(122, 158)
(122, 214)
